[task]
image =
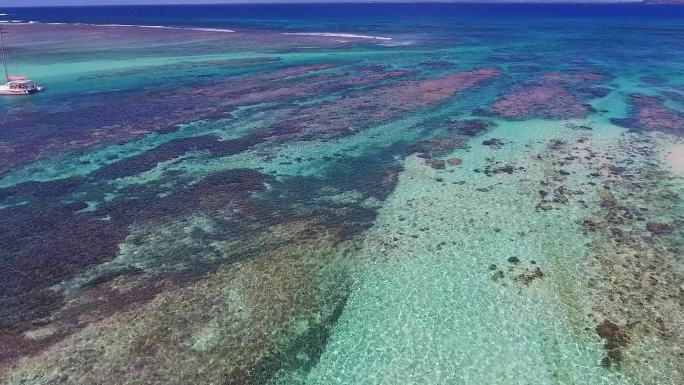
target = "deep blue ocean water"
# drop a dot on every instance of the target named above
(344, 16)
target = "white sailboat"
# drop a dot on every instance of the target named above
(16, 85)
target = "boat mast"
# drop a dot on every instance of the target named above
(4, 58)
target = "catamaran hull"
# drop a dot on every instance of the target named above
(20, 92)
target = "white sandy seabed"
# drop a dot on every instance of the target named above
(425, 308)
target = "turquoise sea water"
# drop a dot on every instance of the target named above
(347, 194)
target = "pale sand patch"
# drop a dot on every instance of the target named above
(672, 152)
(675, 157)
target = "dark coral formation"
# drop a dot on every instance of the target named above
(437, 164)
(42, 244)
(494, 167)
(615, 338)
(495, 143)
(636, 299)
(650, 113)
(341, 118)
(322, 121)
(175, 149)
(40, 190)
(573, 78)
(517, 273)
(636, 213)
(471, 127)
(552, 96)
(439, 146)
(657, 228)
(91, 237)
(515, 57)
(553, 188)
(454, 161)
(530, 275)
(541, 101)
(106, 118)
(46, 242)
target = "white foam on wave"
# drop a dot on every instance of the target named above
(211, 29)
(130, 26)
(334, 34)
(396, 44)
(164, 27)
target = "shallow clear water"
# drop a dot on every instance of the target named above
(393, 194)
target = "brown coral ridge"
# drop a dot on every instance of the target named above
(172, 107)
(456, 137)
(109, 119)
(553, 96)
(541, 101)
(633, 275)
(649, 113)
(644, 286)
(333, 119)
(341, 117)
(431, 149)
(239, 325)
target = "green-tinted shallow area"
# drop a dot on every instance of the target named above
(427, 308)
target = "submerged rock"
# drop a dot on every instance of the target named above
(506, 169)
(556, 144)
(471, 127)
(439, 146)
(615, 339)
(530, 275)
(454, 161)
(658, 228)
(493, 143)
(437, 164)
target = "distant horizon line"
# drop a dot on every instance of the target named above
(322, 2)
